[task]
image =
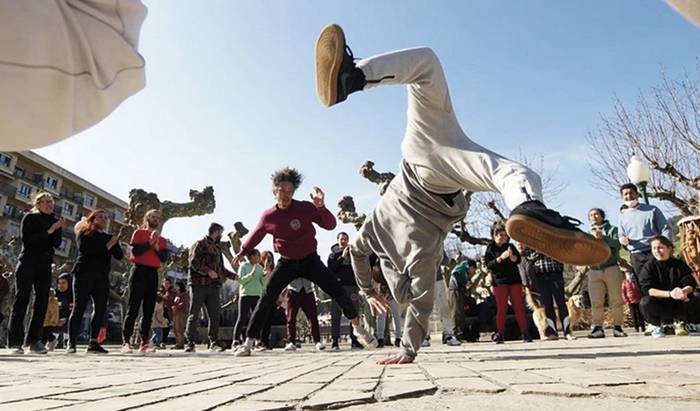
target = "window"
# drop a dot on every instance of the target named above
(5, 160)
(24, 191)
(89, 201)
(8, 210)
(51, 183)
(68, 209)
(19, 171)
(118, 216)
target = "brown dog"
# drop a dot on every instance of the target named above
(574, 305)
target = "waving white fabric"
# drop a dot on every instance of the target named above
(64, 66)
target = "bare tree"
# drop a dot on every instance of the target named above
(663, 127)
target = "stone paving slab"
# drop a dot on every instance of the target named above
(399, 389)
(560, 389)
(469, 384)
(325, 399)
(636, 370)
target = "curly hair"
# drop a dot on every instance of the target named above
(288, 174)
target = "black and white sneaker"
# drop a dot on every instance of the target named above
(336, 73)
(95, 348)
(557, 236)
(37, 348)
(597, 332)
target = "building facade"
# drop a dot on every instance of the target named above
(23, 174)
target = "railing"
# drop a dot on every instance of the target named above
(8, 189)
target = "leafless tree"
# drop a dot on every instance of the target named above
(662, 127)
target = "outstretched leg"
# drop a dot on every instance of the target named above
(445, 159)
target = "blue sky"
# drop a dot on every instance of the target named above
(230, 95)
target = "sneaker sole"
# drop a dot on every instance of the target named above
(566, 246)
(330, 46)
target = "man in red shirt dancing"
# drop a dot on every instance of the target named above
(291, 224)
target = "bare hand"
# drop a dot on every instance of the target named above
(377, 304)
(395, 359)
(318, 197)
(346, 252)
(678, 294)
(236, 260)
(60, 223)
(598, 234)
(505, 255)
(213, 275)
(624, 240)
(61, 321)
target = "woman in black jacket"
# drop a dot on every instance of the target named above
(41, 234)
(91, 276)
(502, 259)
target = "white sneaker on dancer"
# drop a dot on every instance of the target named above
(452, 341)
(243, 350)
(320, 346)
(126, 348)
(290, 347)
(364, 337)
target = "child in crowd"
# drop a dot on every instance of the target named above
(51, 322)
(631, 295)
(159, 323)
(251, 279)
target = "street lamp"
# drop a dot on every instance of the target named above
(639, 173)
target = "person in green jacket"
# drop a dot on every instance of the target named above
(251, 282)
(605, 278)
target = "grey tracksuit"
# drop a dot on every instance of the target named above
(409, 224)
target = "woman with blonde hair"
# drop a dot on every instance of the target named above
(41, 234)
(91, 276)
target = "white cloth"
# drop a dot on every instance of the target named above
(64, 66)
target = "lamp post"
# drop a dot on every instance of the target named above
(639, 173)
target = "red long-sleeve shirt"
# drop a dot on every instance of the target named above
(630, 292)
(294, 235)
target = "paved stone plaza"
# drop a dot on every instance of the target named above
(625, 373)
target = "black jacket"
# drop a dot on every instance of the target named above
(93, 256)
(37, 243)
(665, 275)
(506, 272)
(341, 267)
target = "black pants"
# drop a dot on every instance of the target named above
(29, 274)
(657, 310)
(637, 317)
(88, 286)
(551, 288)
(143, 287)
(309, 267)
(48, 335)
(637, 260)
(246, 305)
(354, 293)
(206, 296)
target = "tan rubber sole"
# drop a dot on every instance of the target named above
(569, 247)
(330, 47)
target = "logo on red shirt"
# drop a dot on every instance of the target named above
(295, 224)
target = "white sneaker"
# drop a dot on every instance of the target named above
(452, 341)
(425, 343)
(243, 350)
(364, 337)
(570, 337)
(290, 347)
(320, 346)
(126, 348)
(51, 345)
